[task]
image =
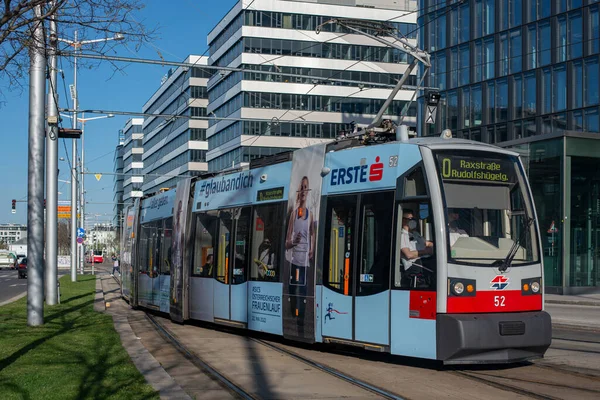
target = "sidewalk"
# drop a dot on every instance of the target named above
(108, 299)
(592, 299)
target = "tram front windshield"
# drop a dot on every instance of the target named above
(489, 215)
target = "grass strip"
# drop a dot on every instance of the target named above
(75, 354)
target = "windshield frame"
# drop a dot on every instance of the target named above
(528, 206)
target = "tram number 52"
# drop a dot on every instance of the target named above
(499, 301)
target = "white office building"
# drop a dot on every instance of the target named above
(279, 36)
(176, 146)
(10, 233)
(132, 160)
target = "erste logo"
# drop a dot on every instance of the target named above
(358, 173)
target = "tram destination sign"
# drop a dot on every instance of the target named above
(468, 168)
(270, 194)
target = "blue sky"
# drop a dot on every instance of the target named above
(182, 29)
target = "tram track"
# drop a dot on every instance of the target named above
(332, 371)
(198, 362)
(537, 381)
(244, 394)
(546, 382)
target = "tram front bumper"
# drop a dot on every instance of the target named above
(493, 338)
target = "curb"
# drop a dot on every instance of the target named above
(575, 302)
(153, 372)
(13, 299)
(99, 304)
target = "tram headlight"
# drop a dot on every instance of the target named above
(458, 288)
(535, 287)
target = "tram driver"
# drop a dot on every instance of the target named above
(414, 248)
(455, 230)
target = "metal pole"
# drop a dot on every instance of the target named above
(52, 174)
(35, 184)
(83, 247)
(74, 178)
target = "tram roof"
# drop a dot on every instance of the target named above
(434, 143)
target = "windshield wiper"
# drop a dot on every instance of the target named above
(503, 265)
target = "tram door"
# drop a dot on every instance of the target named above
(357, 267)
(230, 291)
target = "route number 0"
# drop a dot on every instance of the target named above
(499, 301)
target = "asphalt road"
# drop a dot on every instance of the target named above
(10, 285)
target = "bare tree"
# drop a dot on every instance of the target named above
(92, 18)
(64, 237)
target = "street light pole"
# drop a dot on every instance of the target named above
(51, 270)
(74, 177)
(35, 179)
(76, 44)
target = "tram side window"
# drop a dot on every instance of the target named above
(414, 184)
(147, 248)
(204, 245)
(223, 262)
(266, 242)
(339, 250)
(377, 211)
(166, 242)
(414, 261)
(242, 245)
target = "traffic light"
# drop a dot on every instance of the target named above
(14, 206)
(44, 204)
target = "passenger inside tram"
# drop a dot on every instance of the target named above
(206, 269)
(415, 252)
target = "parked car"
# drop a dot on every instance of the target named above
(23, 268)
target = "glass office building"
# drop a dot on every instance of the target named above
(524, 74)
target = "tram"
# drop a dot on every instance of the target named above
(427, 248)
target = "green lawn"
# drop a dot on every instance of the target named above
(76, 354)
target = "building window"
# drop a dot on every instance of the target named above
(490, 114)
(575, 35)
(561, 48)
(454, 67)
(559, 88)
(484, 59)
(503, 9)
(503, 64)
(544, 43)
(476, 105)
(452, 110)
(516, 50)
(530, 94)
(464, 23)
(516, 13)
(439, 71)
(594, 33)
(547, 91)
(466, 109)
(484, 15)
(591, 81)
(517, 97)
(532, 48)
(464, 65)
(591, 120)
(577, 88)
(577, 121)
(501, 100)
